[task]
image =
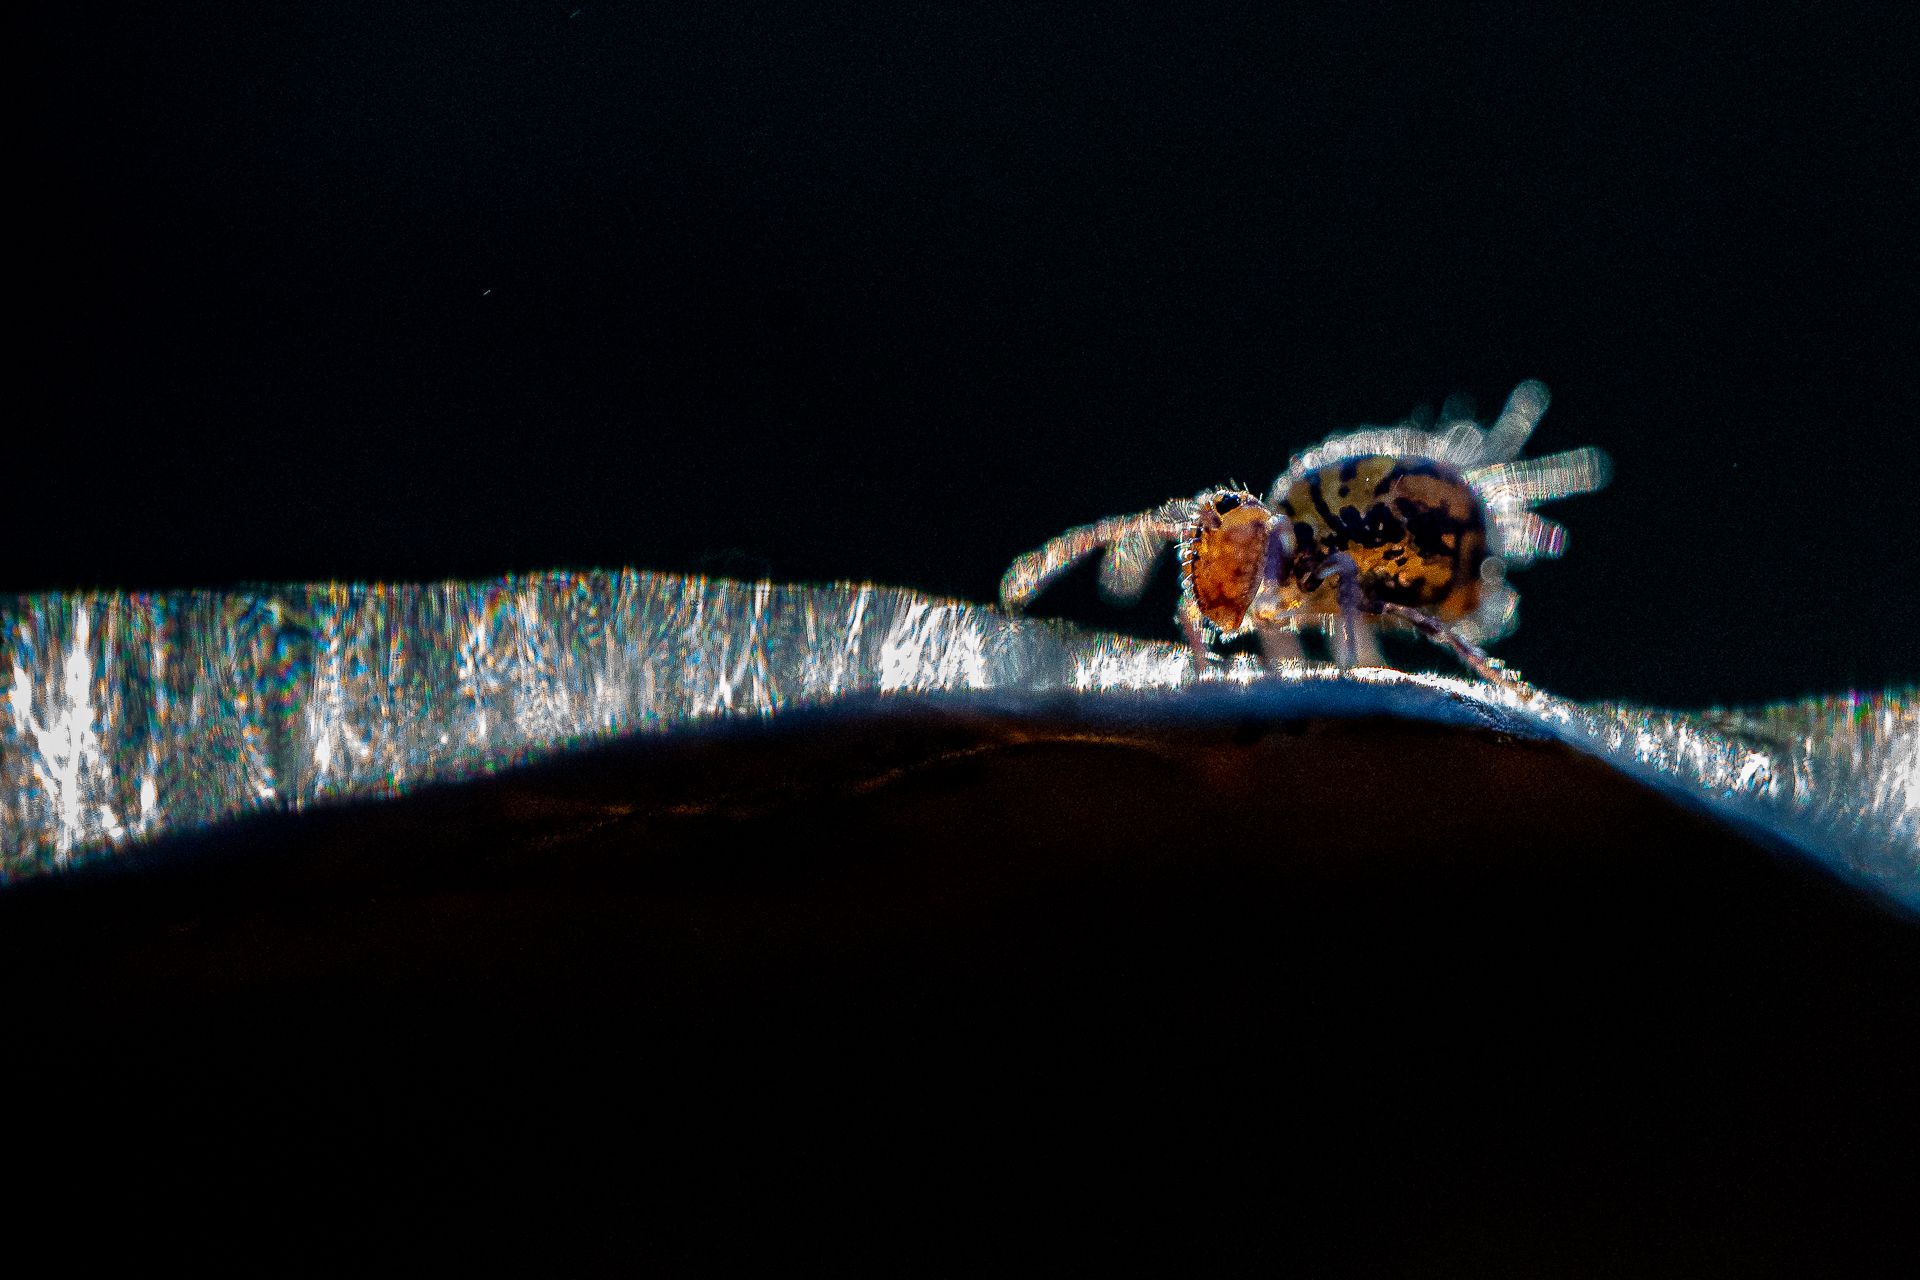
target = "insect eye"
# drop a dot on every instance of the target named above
(1226, 502)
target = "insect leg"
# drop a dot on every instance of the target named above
(1278, 629)
(1279, 643)
(1354, 643)
(1472, 655)
(1136, 537)
(1193, 627)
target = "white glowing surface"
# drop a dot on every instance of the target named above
(125, 716)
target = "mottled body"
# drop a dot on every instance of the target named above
(1414, 528)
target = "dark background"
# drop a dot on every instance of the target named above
(409, 291)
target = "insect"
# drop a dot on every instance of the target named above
(1404, 528)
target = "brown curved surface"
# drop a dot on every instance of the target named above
(964, 992)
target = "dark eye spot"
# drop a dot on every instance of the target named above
(1226, 502)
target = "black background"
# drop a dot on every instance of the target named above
(409, 291)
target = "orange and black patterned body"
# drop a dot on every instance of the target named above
(1415, 528)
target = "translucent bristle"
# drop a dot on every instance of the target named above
(1455, 447)
(1526, 537)
(1535, 480)
(1134, 540)
(1497, 616)
(1128, 565)
(1509, 432)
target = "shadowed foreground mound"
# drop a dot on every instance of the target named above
(957, 991)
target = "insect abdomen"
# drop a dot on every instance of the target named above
(1414, 527)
